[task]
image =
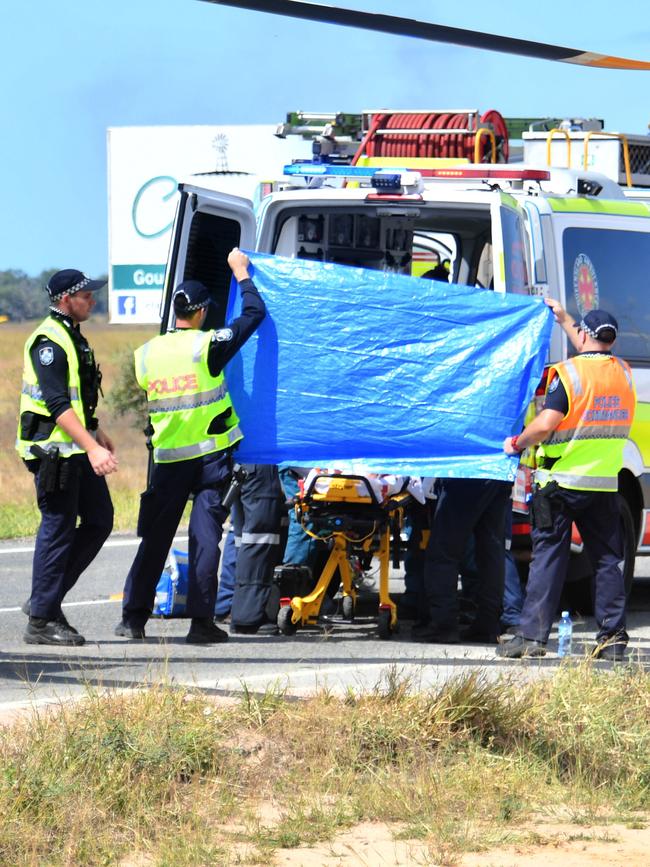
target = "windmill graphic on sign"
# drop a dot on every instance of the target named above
(220, 145)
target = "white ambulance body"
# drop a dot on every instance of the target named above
(562, 233)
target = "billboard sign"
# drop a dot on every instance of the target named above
(145, 165)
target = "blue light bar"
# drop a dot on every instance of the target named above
(312, 170)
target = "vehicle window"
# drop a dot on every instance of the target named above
(210, 240)
(609, 268)
(431, 250)
(514, 248)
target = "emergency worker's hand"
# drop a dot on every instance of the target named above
(559, 312)
(508, 447)
(102, 460)
(239, 263)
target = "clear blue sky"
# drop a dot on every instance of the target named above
(70, 69)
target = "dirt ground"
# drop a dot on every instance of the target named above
(557, 845)
(548, 843)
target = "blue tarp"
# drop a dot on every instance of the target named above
(401, 374)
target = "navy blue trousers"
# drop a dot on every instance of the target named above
(513, 593)
(259, 515)
(161, 509)
(466, 507)
(227, 578)
(63, 549)
(597, 517)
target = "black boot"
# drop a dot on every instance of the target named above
(203, 630)
(41, 631)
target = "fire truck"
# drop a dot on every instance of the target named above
(565, 214)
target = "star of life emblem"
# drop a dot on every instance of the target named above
(585, 284)
(46, 355)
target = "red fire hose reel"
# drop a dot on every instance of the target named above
(424, 141)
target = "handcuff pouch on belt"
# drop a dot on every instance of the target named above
(541, 510)
(239, 475)
(50, 470)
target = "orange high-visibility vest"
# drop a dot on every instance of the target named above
(586, 448)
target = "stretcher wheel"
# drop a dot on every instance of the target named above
(383, 623)
(347, 608)
(285, 624)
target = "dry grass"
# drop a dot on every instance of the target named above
(169, 778)
(18, 512)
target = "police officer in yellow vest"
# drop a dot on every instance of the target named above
(62, 445)
(195, 427)
(580, 432)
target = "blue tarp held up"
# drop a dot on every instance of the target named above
(402, 374)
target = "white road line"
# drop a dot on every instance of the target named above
(69, 604)
(112, 543)
(298, 674)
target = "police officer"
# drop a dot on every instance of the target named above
(581, 431)
(195, 427)
(60, 440)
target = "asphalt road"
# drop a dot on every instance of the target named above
(340, 657)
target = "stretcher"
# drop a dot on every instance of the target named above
(351, 514)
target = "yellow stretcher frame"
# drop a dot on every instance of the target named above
(384, 517)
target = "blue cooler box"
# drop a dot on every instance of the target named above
(171, 592)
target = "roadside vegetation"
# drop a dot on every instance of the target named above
(24, 297)
(113, 345)
(170, 777)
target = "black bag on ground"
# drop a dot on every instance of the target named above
(289, 580)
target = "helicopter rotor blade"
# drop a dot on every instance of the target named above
(399, 26)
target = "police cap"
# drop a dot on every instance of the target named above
(70, 281)
(600, 325)
(190, 295)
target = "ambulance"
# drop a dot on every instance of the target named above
(409, 190)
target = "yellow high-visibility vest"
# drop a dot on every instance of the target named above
(183, 397)
(31, 399)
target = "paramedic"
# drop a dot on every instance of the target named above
(465, 507)
(257, 519)
(195, 428)
(60, 440)
(581, 431)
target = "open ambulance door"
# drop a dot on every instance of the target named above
(510, 249)
(207, 226)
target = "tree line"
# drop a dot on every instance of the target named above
(24, 297)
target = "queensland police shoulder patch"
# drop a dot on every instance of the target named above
(46, 355)
(554, 384)
(223, 335)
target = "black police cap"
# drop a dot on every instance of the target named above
(600, 325)
(70, 281)
(191, 295)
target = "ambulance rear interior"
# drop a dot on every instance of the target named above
(342, 226)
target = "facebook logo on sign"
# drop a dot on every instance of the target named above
(126, 305)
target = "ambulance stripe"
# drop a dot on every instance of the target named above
(398, 26)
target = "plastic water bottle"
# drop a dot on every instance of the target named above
(564, 635)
